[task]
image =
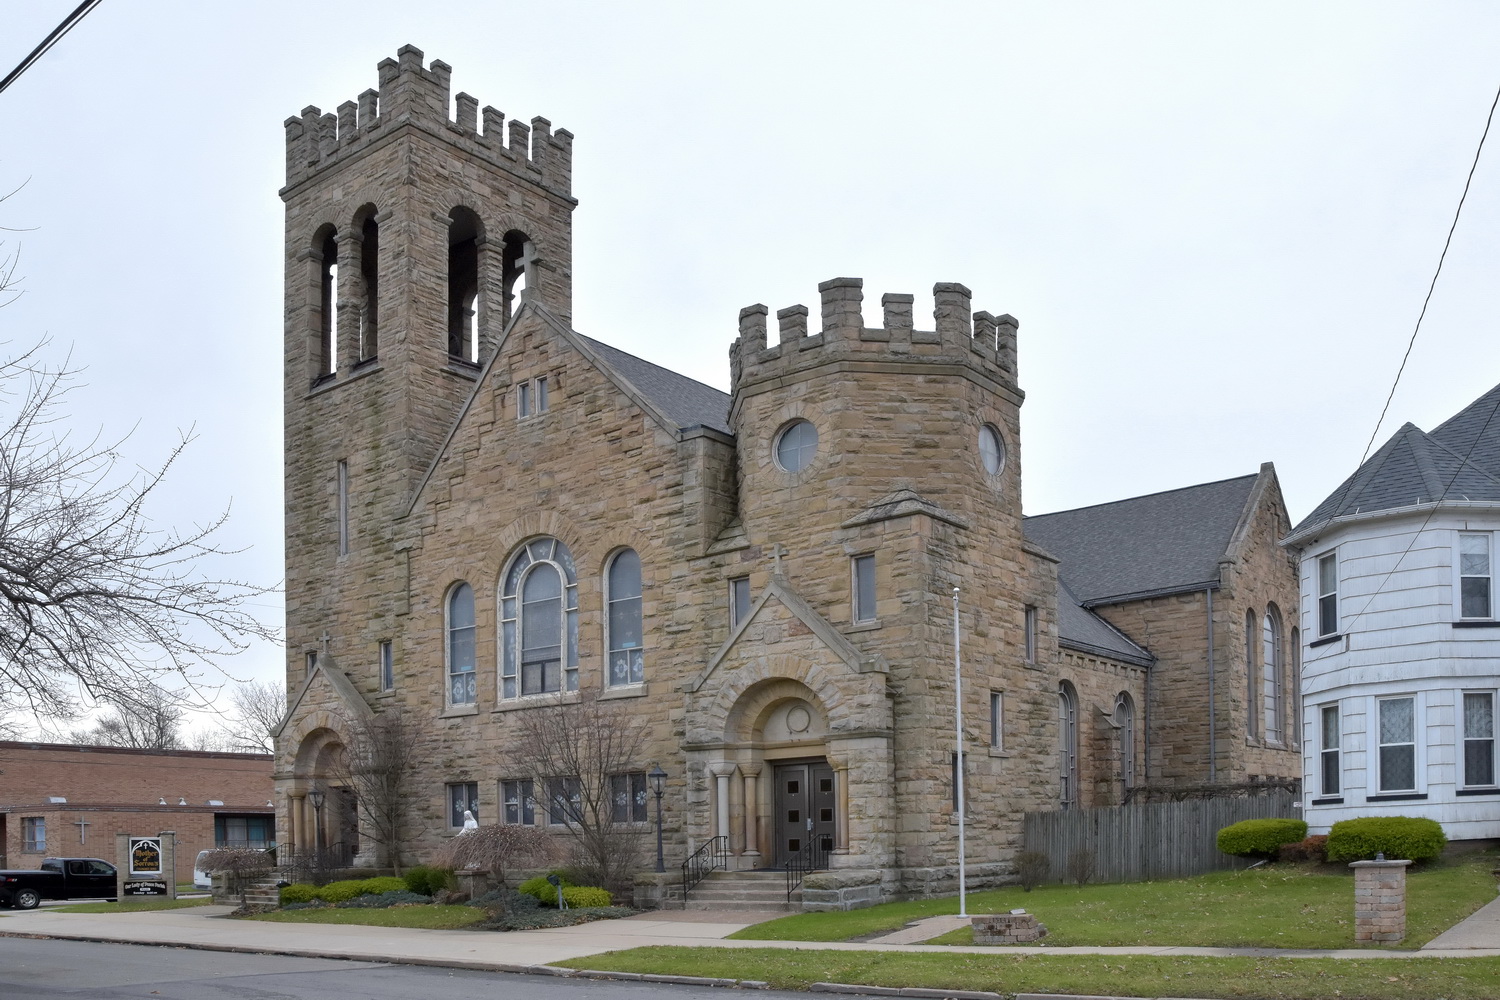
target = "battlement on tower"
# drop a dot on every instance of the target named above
(412, 93)
(977, 338)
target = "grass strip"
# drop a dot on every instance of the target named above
(1110, 975)
(133, 905)
(428, 917)
(1276, 906)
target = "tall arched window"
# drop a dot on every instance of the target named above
(464, 232)
(539, 621)
(462, 689)
(1125, 723)
(369, 280)
(1272, 663)
(326, 255)
(1252, 679)
(627, 654)
(1067, 744)
(517, 260)
(1295, 646)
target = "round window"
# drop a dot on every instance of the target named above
(991, 449)
(796, 446)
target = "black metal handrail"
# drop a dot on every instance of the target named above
(713, 854)
(812, 858)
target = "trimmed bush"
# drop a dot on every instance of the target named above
(1312, 849)
(337, 892)
(1406, 838)
(300, 892)
(585, 896)
(427, 880)
(1260, 838)
(541, 890)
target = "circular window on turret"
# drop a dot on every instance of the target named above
(991, 449)
(796, 445)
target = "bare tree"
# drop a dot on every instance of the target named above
(500, 849)
(380, 756)
(148, 719)
(256, 710)
(95, 600)
(240, 864)
(585, 755)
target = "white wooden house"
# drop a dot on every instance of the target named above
(1401, 631)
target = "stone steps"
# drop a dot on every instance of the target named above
(748, 891)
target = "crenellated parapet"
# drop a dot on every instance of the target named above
(411, 93)
(958, 335)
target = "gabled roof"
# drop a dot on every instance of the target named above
(1458, 461)
(688, 402)
(1162, 543)
(1079, 628)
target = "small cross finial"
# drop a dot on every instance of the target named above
(325, 639)
(528, 262)
(776, 553)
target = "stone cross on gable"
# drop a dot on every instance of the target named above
(776, 553)
(528, 262)
(325, 639)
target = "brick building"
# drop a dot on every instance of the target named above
(58, 800)
(488, 510)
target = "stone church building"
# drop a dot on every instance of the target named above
(487, 510)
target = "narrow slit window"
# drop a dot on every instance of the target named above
(1030, 627)
(523, 399)
(387, 666)
(864, 588)
(997, 720)
(739, 600)
(541, 394)
(343, 507)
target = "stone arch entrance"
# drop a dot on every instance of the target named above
(322, 810)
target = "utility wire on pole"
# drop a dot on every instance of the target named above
(958, 757)
(68, 24)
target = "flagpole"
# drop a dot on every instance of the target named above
(958, 728)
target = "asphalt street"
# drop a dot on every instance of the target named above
(47, 970)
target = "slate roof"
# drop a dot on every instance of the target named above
(1458, 460)
(1162, 543)
(1082, 629)
(687, 402)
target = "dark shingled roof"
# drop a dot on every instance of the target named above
(1082, 629)
(1415, 467)
(1160, 543)
(687, 402)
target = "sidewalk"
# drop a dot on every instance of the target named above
(205, 927)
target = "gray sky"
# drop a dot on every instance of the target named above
(1215, 223)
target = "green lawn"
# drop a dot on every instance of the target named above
(1277, 906)
(133, 905)
(1132, 975)
(431, 917)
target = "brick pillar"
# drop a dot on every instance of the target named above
(1379, 900)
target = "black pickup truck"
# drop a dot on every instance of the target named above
(58, 878)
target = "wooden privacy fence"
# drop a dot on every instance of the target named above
(1149, 840)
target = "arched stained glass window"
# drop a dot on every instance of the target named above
(462, 689)
(1067, 744)
(1125, 722)
(1272, 663)
(627, 654)
(539, 621)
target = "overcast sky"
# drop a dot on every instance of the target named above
(1215, 223)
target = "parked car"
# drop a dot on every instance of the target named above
(58, 878)
(202, 879)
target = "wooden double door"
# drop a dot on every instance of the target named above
(803, 800)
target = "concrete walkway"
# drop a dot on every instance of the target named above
(206, 927)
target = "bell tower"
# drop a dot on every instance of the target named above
(415, 226)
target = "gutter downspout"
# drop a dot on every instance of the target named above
(1213, 774)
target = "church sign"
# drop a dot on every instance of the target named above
(145, 868)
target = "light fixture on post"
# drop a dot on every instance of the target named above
(316, 797)
(658, 785)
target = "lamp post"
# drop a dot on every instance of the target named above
(316, 797)
(658, 785)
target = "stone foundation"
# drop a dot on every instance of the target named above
(842, 889)
(1016, 927)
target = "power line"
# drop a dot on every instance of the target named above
(1433, 284)
(68, 24)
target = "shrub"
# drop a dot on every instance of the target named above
(1081, 866)
(1032, 868)
(300, 892)
(506, 900)
(427, 879)
(532, 919)
(1312, 849)
(541, 890)
(585, 896)
(1397, 837)
(1260, 838)
(337, 892)
(379, 901)
(312, 905)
